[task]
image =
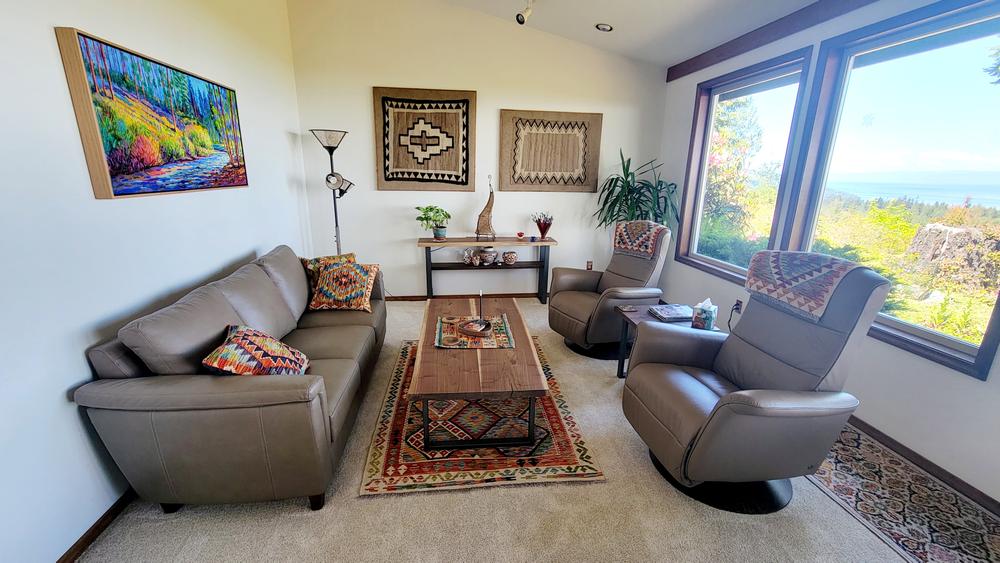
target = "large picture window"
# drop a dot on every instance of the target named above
(896, 166)
(743, 135)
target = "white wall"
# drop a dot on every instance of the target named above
(75, 268)
(343, 48)
(949, 418)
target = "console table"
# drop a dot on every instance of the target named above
(542, 264)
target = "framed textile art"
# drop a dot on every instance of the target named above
(148, 127)
(425, 140)
(549, 151)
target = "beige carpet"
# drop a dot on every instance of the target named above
(634, 516)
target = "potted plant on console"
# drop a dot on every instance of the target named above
(434, 219)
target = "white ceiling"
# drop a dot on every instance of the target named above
(664, 32)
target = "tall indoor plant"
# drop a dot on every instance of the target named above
(637, 194)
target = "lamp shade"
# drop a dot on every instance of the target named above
(329, 138)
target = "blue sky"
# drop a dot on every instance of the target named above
(931, 117)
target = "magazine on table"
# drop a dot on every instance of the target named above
(671, 313)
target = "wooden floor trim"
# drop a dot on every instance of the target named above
(940, 473)
(92, 533)
(460, 296)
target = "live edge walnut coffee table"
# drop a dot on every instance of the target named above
(472, 374)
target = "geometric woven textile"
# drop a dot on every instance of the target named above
(314, 265)
(922, 518)
(550, 152)
(398, 463)
(251, 352)
(347, 285)
(802, 282)
(638, 238)
(425, 140)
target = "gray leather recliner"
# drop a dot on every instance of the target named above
(761, 404)
(582, 302)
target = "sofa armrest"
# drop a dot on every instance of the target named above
(631, 293)
(667, 343)
(378, 290)
(198, 392)
(773, 402)
(574, 279)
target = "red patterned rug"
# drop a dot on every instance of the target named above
(397, 462)
(919, 516)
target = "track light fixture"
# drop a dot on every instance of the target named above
(524, 14)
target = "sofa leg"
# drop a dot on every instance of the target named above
(756, 497)
(170, 507)
(316, 502)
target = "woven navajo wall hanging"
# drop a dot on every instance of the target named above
(425, 140)
(549, 151)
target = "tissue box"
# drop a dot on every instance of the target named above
(704, 317)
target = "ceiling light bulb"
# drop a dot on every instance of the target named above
(605, 27)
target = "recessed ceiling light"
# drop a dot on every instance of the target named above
(605, 27)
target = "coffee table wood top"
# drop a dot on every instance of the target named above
(447, 373)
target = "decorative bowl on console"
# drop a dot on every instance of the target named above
(509, 257)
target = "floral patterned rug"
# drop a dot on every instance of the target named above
(919, 516)
(397, 462)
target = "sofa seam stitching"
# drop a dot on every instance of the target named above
(159, 453)
(267, 456)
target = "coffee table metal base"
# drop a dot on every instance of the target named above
(429, 444)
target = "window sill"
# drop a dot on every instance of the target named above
(712, 268)
(952, 359)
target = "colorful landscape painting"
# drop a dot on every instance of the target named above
(161, 129)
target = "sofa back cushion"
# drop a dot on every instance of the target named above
(257, 300)
(287, 273)
(114, 360)
(173, 340)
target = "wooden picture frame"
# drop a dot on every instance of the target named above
(549, 151)
(442, 127)
(147, 127)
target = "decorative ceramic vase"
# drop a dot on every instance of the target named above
(467, 255)
(440, 233)
(475, 260)
(488, 256)
(543, 228)
(509, 257)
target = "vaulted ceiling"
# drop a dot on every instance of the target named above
(664, 32)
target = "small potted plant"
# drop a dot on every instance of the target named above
(434, 219)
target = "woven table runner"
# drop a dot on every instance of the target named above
(447, 334)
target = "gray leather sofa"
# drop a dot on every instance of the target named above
(582, 302)
(182, 436)
(755, 407)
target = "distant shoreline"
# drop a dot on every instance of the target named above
(953, 194)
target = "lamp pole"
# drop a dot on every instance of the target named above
(336, 215)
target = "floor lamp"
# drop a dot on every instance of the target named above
(330, 139)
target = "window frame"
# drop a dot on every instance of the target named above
(819, 101)
(826, 99)
(701, 127)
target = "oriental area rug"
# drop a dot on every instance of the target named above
(397, 462)
(922, 518)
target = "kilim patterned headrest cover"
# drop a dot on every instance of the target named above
(802, 282)
(639, 238)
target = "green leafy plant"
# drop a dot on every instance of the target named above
(637, 194)
(432, 216)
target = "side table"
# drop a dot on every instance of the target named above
(630, 320)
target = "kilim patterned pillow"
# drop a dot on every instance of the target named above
(251, 352)
(313, 266)
(345, 286)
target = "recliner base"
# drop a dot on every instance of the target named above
(603, 351)
(755, 497)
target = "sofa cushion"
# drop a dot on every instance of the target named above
(247, 351)
(344, 286)
(312, 319)
(334, 342)
(257, 300)
(174, 339)
(285, 270)
(342, 379)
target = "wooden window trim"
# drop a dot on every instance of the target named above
(799, 60)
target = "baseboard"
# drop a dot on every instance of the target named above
(92, 533)
(942, 474)
(460, 296)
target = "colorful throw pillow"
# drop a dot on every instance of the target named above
(314, 265)
(345, 286)
(251, 352)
